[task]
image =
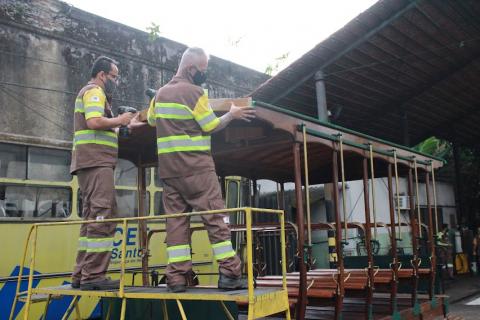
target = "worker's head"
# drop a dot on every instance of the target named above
(105, 72)
(194, 65)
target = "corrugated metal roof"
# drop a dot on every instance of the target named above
(415, 60)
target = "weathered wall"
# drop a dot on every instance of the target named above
(49, 45)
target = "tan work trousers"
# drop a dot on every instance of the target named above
(96, 239)
(199, 192)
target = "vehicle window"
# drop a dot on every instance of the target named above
(13, 162)
(48, 164)
(35, 202)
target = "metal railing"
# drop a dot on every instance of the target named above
(32, 238)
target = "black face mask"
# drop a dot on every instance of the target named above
(110, 87)
(199, 78)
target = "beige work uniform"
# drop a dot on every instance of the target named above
(94, 157)
(183, 119)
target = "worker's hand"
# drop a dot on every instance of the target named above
(125, 118)
(242, 113)
(135, 123)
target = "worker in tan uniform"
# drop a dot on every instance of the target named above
(94, 157)
(184, 122)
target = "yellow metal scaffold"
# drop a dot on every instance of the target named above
(261, 302)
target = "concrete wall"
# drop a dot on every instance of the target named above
(49, 45)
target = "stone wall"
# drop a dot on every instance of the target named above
(46, 51)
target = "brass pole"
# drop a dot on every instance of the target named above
(397, 187)
(307, 189)
(344, 194)
(374, 208)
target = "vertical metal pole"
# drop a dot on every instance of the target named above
(302, 302)
(307, 187)
(393, 240)
(251, 296)
(374, 207)
(414, 228)
(20, 272)
(434, 198)
(284, 255)
(433, 260)
(368, 239)
(122, 260)
(321, 95)
(344, 192)
(30, 276)
(459, 198)
(123, 309)
(338, 237)
(417, 199)
(142, 225)
(397, 187)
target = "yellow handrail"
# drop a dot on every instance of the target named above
(248, 211)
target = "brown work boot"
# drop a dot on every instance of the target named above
(177, 288)
(75, 284)
(227, 283)
(105, 284)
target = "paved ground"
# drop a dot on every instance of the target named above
(464, 293)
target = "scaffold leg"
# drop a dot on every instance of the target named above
(164, 309)
(182, 312)
(72, 305)
(109, 311)
(227, 312)
(124, 307)
(44, 316)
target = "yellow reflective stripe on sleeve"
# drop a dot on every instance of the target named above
(170, 110)
(179, 253)
(79, 105)
(223, 250)
(204, 115)
(183, 143)
(151, 114)
(208, 122)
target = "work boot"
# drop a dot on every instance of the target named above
(227, 283)
(75, 284)
(177, 288)
(105, 284)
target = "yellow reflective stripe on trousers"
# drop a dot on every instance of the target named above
(170, 110)
(106, 138)
(82, 243)
(208, 121)
(183, 143)
(223, 250)
(179, 253)
(99, 244)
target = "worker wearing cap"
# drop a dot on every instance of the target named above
(94, 158)
(184, 122)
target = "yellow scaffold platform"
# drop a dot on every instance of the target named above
(261, 301)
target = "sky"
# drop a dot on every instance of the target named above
(252, 33)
